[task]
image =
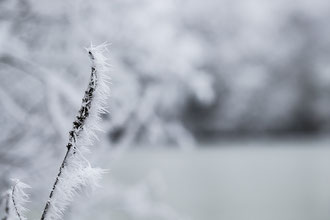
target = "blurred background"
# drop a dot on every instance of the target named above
(220, 109)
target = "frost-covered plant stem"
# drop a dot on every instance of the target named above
(55, 184)
(6, 198)
(14, 201)
(19, 198)
(75, 171)
(74, 133)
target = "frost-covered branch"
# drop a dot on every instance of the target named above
(14, 201)
(76, 173)
(19, 198)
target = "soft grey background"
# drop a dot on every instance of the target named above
(219, 109)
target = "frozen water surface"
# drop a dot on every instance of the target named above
(241, 180)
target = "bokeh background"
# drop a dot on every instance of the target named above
(220, 109)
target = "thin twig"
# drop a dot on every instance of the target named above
(74, 133)
(14, 201)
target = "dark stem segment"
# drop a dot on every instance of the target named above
(76, 129)
(14, 201)
(7, 209)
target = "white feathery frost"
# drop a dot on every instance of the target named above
(76, 174)
(15, 199)
(19, 198)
